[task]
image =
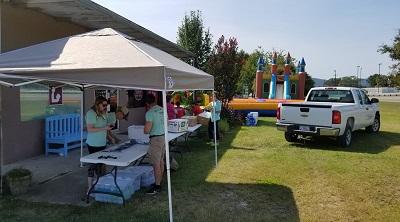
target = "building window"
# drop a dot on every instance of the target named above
(266, 87)
(293, 89)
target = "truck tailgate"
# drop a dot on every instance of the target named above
(306, 114)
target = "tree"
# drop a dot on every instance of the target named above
(248, 72)
(193, 37)
(349, 81)
(331, 82)
(378, 80)
(308, 84)
(225, 64)
(393, 80)
(393, 51)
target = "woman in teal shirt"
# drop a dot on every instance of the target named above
(96, 124)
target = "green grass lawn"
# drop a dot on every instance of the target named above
(261, 177)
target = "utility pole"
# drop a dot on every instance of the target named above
(360, 77)
(335, 77)
(357, 75)
(379, 75)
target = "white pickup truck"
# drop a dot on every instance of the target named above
(329, 111)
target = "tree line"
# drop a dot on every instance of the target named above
(234, 69)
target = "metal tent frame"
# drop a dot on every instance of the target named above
(83, 86)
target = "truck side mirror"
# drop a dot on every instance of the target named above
(374, 100)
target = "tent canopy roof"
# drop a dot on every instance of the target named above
(104, 57)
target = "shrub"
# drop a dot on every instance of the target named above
(234, 117)
(223, 126)
(19, 172)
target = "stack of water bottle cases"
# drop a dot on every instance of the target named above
(252, 119)
(129, 180)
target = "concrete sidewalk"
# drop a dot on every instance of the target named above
(55, 179)
(48, 168)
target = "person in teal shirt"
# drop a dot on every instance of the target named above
(155, 127)
(215, 117)
(97, 127)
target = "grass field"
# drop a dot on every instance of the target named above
(261, 177)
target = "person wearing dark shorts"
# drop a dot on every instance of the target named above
(96, 124)
(96, 169)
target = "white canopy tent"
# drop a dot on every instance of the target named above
(105, 58)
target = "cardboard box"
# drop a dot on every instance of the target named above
(178, 125)
(203, 120)
(191, 119)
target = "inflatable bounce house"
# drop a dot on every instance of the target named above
(272, 89)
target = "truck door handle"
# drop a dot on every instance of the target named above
(304, 110)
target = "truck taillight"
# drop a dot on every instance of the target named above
(278, 113)
(336, 117)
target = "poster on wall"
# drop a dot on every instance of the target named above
(55, 95)
(110, 95)
(100, 92)
(136, 98)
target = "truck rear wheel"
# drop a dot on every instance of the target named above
(347, 137)
(290, 137)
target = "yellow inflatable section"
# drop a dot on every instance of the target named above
(258, 104)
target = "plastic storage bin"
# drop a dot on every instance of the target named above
(146, 174)
(106, 184)
(136, 132)
(252, 119)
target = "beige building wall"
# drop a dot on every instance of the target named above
(24, 27)
(21, 28)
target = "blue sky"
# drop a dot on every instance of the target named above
(329, 34)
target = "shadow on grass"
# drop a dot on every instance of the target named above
(236, 202)
(198, 199)
(195, 197)
(242, 148)
(263, 122)
(363, 142)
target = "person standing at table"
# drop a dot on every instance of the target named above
(180, 111)
(120, 114)
(196, 109)
(97, 127)
(217, 106)
(155, 127)
(170, 108)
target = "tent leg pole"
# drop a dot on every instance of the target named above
(215, 131)
(82, 98)
(164, 95)
(1, 148)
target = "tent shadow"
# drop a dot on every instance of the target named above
(196, 198)
(363, 142)
(262, 122)
(236, 202)
(242, 148)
